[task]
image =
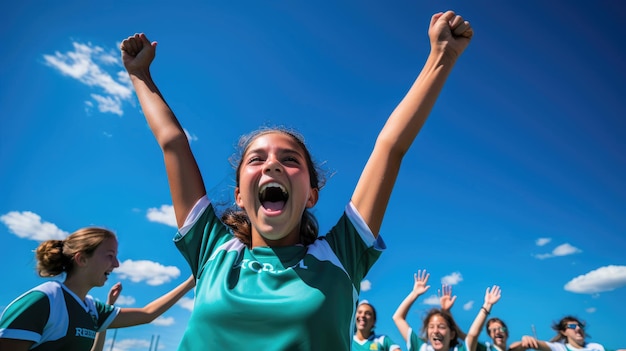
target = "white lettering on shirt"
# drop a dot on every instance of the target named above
(87, 333)
(259, 267)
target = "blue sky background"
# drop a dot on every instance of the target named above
(517, 179)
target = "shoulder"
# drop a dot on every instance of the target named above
(593, 346)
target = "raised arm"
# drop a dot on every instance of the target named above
(185, 180)
(449, 36)
(419, 288)
(492, 295)
(447, 301)
(129, 317)
(114, 293)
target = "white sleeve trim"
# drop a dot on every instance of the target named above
(194, 214)
(363, 229)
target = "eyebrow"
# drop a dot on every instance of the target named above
(261, 150)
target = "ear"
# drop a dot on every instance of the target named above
(238, 199)
(80, 260)
(314, 195)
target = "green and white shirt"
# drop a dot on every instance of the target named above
(274, 298)
(54, 318)
(374, 342)
(415, 343)
(559, 346)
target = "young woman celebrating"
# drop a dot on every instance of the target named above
(570, 336)
(265, 279)
(442, 332)
(364, 338)
(60, 315)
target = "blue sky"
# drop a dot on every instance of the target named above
(517, 178)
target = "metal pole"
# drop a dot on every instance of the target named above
(156, 343)
(113, 341)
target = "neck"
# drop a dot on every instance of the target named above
(77, 286)
(362, 334)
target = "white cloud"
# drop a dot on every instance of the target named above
(366, 285)
(602, 279)
(153, 273)
(432, 300)
(123, 300)
(190, 137)
(83, 64)
(565, 249)
(452, 279)
(186, 303)
(128, 344)
(108, 104)
(164, 215)
(28, 225)
(561, 250)
(590, 310)
(468, 305)
(542, 241)
(163, 321)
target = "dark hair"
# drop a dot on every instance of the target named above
(496, 320)
(238, 220)
(561, 325)
(449, 321)
(57, 256)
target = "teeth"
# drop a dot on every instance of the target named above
(273, 185)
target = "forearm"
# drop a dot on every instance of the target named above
(159, 115)
(374, 188)
(399, 316)
(136, 316)
(98, 342)
(479, 322)
(409, 116)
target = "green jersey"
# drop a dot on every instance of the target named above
(274, 298)
(374, 342)
(415, 343)
(54, 318)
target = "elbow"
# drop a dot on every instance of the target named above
(172, 140)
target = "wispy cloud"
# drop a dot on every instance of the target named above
(163, 321)
(153, 273)
(128, 344)
(366, 285)
(432, 300)
(452, 279)
(561, 250)
(28, 225)
(164, 214)
(97, 68)
(124, 300)
(186, 303)
(468, 305)
(590, 309)
(602, 279)
(542, 241)
(190, 137)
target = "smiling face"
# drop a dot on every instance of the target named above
(365, 319)
(439, 333)
(498, 333)
(102, 262)
(574, 332)
(274, 189)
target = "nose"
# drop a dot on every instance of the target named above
(116, 262)
(272, 165)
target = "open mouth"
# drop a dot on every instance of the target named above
(436, 338)
(273, 196)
